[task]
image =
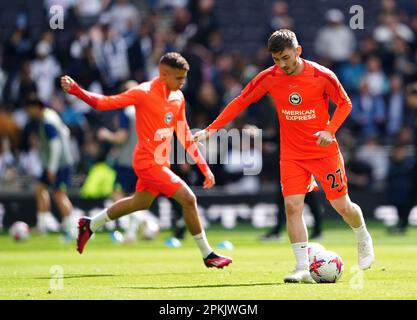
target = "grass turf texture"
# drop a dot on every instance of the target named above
(150, 270)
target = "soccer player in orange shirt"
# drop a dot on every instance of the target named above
(301, 90)
(160, 110)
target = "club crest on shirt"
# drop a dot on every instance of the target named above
(168, 117)
(295, 98)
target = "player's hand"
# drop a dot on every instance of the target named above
(325, 138)
(201, 135)
(209, 182)
(66, 83)
(104, 134)
(51, 176)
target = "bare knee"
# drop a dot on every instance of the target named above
(59, 195)
(344, 208)
(188, 200)
(293, 206)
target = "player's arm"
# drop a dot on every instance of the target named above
(339, 96)
(185, 137)
(55, 149)
(255, 90)
(337, 93)
(98, 101)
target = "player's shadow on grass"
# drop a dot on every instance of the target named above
(206, 286)
(77, 276)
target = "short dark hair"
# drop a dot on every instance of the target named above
(33, 99)
(281, 39)
(174, 60)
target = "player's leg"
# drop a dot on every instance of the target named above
(124, 186)
(138, 201)
(297, 232)
(296, 227)
(63, 203)
(66, 209)
(186, 198)
(87, 226)
(353, 216)
(296, 181)
(332, 176)
(43, 204)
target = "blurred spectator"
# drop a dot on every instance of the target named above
(411, 196)
(280, 18)
(18, 47)
(110, 52)
(208, 101)
(232, 88)
(395, 102)
(351, 73)
(368, 47)
(359, 172)
(335, 42)
(89, 11)
(204, 18)
(388, 7)
(243, 160)
(45, 69)
(85, 67)
(29, 159)
(401, 59)
(7, 161)
(368, 113)
(390, 28)
(9, 135)
(375, 77)
(376, 155)
(19, 87)
(398, 181)
(124, 16)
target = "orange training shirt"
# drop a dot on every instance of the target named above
(158, 113)
(301, 102)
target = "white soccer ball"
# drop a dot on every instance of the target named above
(314, 248)
(326, 267)
(148, 229)
(19, 231)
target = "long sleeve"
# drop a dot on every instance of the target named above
(255, 90)
(101, 102)
(343, 104)
(185, 137)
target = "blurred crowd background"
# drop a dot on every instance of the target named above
(104, 43)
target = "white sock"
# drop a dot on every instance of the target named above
(132, 226)
(99, 220)
(301, 255)
(203, 244)
(41, 221)
(66, 223)
(361, 233)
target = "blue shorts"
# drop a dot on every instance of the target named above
(62, 179)
(125, 179)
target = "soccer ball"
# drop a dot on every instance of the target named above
(313, 249)
(148, 229)
(19, 231)
(326, 267)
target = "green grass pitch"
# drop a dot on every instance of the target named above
(149, 270)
